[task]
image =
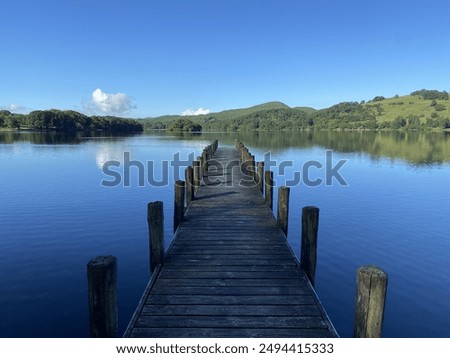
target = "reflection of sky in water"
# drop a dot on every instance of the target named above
(108, 152)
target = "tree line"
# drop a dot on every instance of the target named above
(67, 121)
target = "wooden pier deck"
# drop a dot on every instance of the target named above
(229, 271)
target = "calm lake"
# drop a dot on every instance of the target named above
(55, 216)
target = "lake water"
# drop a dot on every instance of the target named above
(55, 216)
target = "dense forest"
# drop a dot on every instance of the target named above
(420, 110)
(423, 109)
(67, 121)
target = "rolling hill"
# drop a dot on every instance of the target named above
(423, 109)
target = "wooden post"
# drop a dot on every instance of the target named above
(197, 174)
(189, 177)
(261, 176)
(204, 162)
(178, 208)
(371, 285)
(155, 218)
(102, 289)
(283, 208)
(253, 168)
(210, 151)
(308, 257)
(269, 188)
(200, 159)
(243, 155)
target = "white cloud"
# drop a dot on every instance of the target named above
(198, 112)
(110, 103)
(14, 108)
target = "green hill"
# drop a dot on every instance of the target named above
(223, 116)
(423, 109)
(419, 109)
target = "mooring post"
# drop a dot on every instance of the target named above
(308, 256)
(210, 151)
(244, 154)
(155, 218)
(371, 286)
(204, 162)
(178, 210)
(261, 176)
(253, 168)
(197, 173)
(283, 208)
(189, 177)
(102, 290)
(268, 184)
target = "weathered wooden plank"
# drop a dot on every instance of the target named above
(159, 288)
(250, 237)
(235, 275)
(222, 261)
(232, 310)
(267, 257)
(230, 282)
(196, 268)
(231, 333)
(230, 322)
(224, 244)
(229, 299)
(267, 251)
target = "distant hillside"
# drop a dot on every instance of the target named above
(67, 121)
(423, 109)
(225, 116)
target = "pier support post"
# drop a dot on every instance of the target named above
(189, 176)
(155, 218)
(102, 289)
(253, 168)
(268, 181)
(178, 212)
(371, 285)
(308, 256)
(261, 176)
(197, 174)
(204, 162)
(283, 208)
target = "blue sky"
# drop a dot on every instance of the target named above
(141, 58)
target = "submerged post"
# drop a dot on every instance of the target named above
(269, 188)
(102, 289)
(178, 212)
(310, 226)
(371, 285)
(283, 208)
(261, 176)
(155, 218)
(189, 176)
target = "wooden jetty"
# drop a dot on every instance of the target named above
(229, 271)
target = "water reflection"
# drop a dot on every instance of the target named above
(417, 148)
